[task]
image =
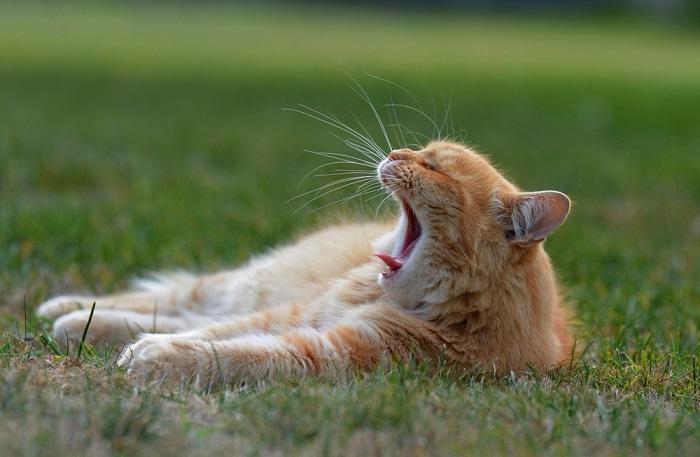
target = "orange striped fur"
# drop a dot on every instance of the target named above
(475, 287)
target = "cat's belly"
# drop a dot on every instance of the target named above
(297, 273)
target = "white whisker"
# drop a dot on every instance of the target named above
(367, 140)
(345, 172)
(370, 154)
(378, 153)
(389, 195)
(396, 125)
(332, 121)
(359, 167)
(399, 86)
(344, 199)
(347, 158)
(363, 94)
(330, 191)
(413, 108)
(448, 112)
(319, 168)
(349, 180)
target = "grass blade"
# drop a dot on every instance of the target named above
(87, 326)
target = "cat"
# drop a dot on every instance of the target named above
(462, 277)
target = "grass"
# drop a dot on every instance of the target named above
(137, 139)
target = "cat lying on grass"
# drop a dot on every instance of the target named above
(462, 277)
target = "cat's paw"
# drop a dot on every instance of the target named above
(137, 348)
(160, 356)
(105, 329)
(59, 306)
(69, 328)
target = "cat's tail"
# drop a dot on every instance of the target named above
(165, 282)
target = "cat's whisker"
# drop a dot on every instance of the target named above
(379, 154)
(438, 131)
(368, 191)
(415, 135)
(416, 110)
(370, 154)
(338, 124)
(391, 194)
(363, 94)
(360, 140)
(395, 84)
(333, 154)
(330, 120)
(367, 139)
(345, 157)
(309, 174)
(383, 191)
(344, 172)
(448, 114)
(365, 145)
(333, 187)
(395, 124)
(368, 171)
(342, 200)
(416, 144)
(345, 181)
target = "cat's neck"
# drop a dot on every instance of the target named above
(521, 298)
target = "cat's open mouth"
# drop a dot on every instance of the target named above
(410, 239)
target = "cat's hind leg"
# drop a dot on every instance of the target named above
(165, 294)
(165, 304)
(117, 326)
(66, 304)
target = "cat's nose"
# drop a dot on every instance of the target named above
(400, 154)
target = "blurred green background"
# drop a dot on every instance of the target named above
(145, 136)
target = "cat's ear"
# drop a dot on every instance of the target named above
(532, 216)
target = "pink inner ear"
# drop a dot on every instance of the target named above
(543, 213)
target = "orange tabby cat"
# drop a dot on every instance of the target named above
(463, 276)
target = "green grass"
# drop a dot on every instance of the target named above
(136, 139)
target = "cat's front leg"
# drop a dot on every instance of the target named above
(151, 347)
(172, 356)
(252, 358)
(360, 339)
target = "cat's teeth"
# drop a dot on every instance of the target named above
(392, 262)
(389, 273)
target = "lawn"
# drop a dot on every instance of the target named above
(135, 139)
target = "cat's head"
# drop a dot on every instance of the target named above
(463, 223)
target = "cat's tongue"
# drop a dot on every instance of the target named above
(392, 262)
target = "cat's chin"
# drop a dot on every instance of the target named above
(403, 286)
(409, 289)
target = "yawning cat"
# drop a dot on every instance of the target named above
(462, 277)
